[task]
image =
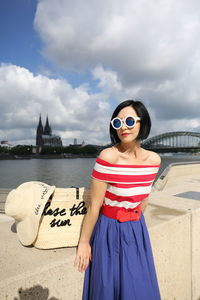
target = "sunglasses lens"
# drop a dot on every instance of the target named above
(130, 122)
(117, 123)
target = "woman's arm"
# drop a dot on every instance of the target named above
(97, 193)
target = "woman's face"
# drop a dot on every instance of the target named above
(125, 134)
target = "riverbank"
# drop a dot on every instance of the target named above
(7, 156)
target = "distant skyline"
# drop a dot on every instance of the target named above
(76, 61)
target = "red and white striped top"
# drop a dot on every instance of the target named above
(128, 184)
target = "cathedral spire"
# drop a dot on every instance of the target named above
(40, 127)
(39, 132)
(47, 128)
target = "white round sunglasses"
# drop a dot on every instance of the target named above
(129, 121)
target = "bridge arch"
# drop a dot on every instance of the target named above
(174, 139)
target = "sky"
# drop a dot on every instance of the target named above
(75, 61)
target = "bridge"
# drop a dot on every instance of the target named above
(176, 141)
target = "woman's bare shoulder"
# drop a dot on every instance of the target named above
(108, 154)
(154, 158)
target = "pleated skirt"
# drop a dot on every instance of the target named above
(122, 266)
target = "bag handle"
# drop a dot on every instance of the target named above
(77, 191)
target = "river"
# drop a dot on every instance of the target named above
(63, 172)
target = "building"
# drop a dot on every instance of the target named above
(5, 144)
(76, 145)
(44, 136)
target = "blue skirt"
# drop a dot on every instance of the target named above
(122, 266)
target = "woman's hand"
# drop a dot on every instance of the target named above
(83, 255)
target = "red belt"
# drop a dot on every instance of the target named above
(122, 214)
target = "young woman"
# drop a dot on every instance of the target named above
(114, 248)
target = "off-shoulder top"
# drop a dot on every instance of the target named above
(128, 185)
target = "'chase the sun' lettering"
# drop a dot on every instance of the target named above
(80, 209)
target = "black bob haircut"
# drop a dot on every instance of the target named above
(145, 122)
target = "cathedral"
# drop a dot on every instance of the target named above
(44, 136)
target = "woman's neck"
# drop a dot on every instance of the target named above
(132, 148)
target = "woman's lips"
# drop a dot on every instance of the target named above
(125, 134)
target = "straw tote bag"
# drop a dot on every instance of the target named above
(62, 218)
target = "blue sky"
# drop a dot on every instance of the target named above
(20, 43)
(75, 61)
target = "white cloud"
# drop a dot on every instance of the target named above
(78, 113)
(73, 113)
(145, 49)
(142, 41)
